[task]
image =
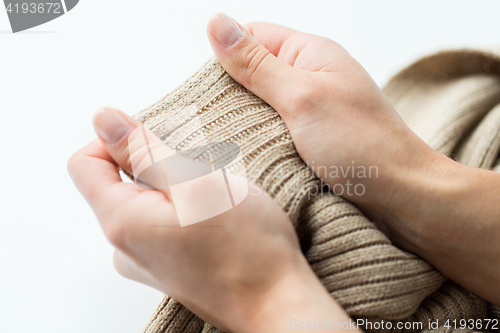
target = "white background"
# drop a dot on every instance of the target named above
(56, 272)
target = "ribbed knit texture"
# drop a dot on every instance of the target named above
(358, 265)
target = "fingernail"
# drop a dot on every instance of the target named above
(110, 125)
(224, 29)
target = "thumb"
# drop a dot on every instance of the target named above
(133, 147)
(249, 62)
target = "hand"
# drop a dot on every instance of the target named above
(341, 122)
(235, 270)
(337, 116)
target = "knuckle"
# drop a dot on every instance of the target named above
(305, 96)
(136, 159)
(249, 26)
(135, 153)
(129, 160)
(253, 59)
(120, 265)
(73, 163)
(116, 234)
(326, 41)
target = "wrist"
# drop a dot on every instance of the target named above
(430, 200)
(447, 213)
(407, 199)
(297, 298)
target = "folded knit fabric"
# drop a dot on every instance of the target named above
(448, 100)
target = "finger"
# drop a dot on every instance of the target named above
(96, 176)
(322, 54)
(133, 147)
(113, 127)
(273, 37)
(250, 63)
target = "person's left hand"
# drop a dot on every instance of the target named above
(222, 273)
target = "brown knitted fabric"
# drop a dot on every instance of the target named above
(363, 271)
(494, 311)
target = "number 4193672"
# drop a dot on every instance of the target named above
(49, 7)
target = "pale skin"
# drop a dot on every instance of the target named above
(446, 213)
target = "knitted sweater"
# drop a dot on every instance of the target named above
(451, 100)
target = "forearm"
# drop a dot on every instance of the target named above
(449, 214)
(462, 229)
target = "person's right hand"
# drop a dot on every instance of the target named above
(339, 120)
(337, 116)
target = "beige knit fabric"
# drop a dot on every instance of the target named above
(448, 102)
